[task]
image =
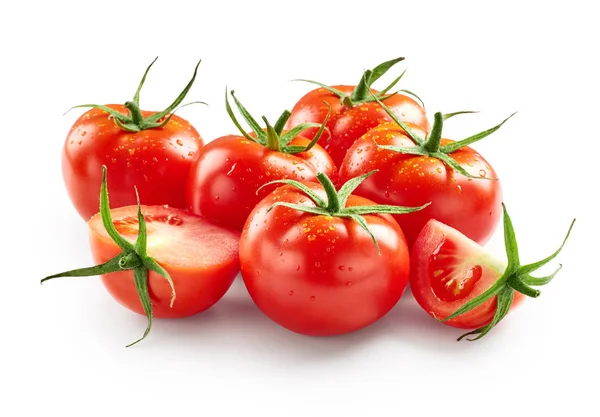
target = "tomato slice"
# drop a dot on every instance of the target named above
(448, 269)
(201, 258)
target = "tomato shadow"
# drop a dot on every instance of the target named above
(236, 321)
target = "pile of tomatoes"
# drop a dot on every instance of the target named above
(329, 212)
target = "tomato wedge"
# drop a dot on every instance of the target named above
(447, 269)
(201, 258)
(457, 281)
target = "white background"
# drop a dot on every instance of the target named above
(62, 344)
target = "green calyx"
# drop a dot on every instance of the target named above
(133, 257)
(335, 206)
(273, 138)
(134, 121)
(362, 91)
(516, 277)
(431, 145)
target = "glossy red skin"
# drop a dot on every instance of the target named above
(156, 161)
(348, 124)
(473, 206)
(198, 287)
(318, 275)
(431, 237)
(229, 170)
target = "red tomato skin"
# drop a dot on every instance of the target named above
(430, 238)
(473, 206)
(229, 170)
(156, 161)
(319, 275)
(197, 289)
(348, 124)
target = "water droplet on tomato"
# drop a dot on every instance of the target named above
(298, 268)
(348, 284)
(179, 142)
(131, 151)
(349, 269)
(217, 197)
(318, 264)
(341, 267)
(459, 189)
(482, 173)
(311, 237)
(438, 170)
(83, 133)
(291, 292)
(312, 298)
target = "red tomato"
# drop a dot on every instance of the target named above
(321, 274)
(228, 171)
(455, 280)
(156, 158)
(353, 115)
(201, 258)
(471, 205)
(448, 269)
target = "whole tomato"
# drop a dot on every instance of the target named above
(150, 150)
(227, 173)
(416, 168)
(323, 263)
(354, 110)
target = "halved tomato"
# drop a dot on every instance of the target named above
(201, 258)
(159, 261)
(449, 269)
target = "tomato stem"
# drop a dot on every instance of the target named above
(273, 139)
(333, 199)
(135, 113)
(336, 204)
(432, 144)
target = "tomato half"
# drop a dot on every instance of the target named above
(471, 205)
(201, 258)
(448, 269)
(347, 124)
(321, 275)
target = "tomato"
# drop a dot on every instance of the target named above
(456, 280)
(153, 155)
(353, 111)
(228, 171)
(447, 269)
(319, 272)
(201, 258)
(461, 184)
(158, 260)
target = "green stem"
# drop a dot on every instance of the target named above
(272, 137)
(280, 123)
(432, 144)
(333, 199)
(362, 90)
(135, 113)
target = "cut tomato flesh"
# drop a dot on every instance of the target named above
(447, 270)
(201, 258)
(174, 237)
(452, 278)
